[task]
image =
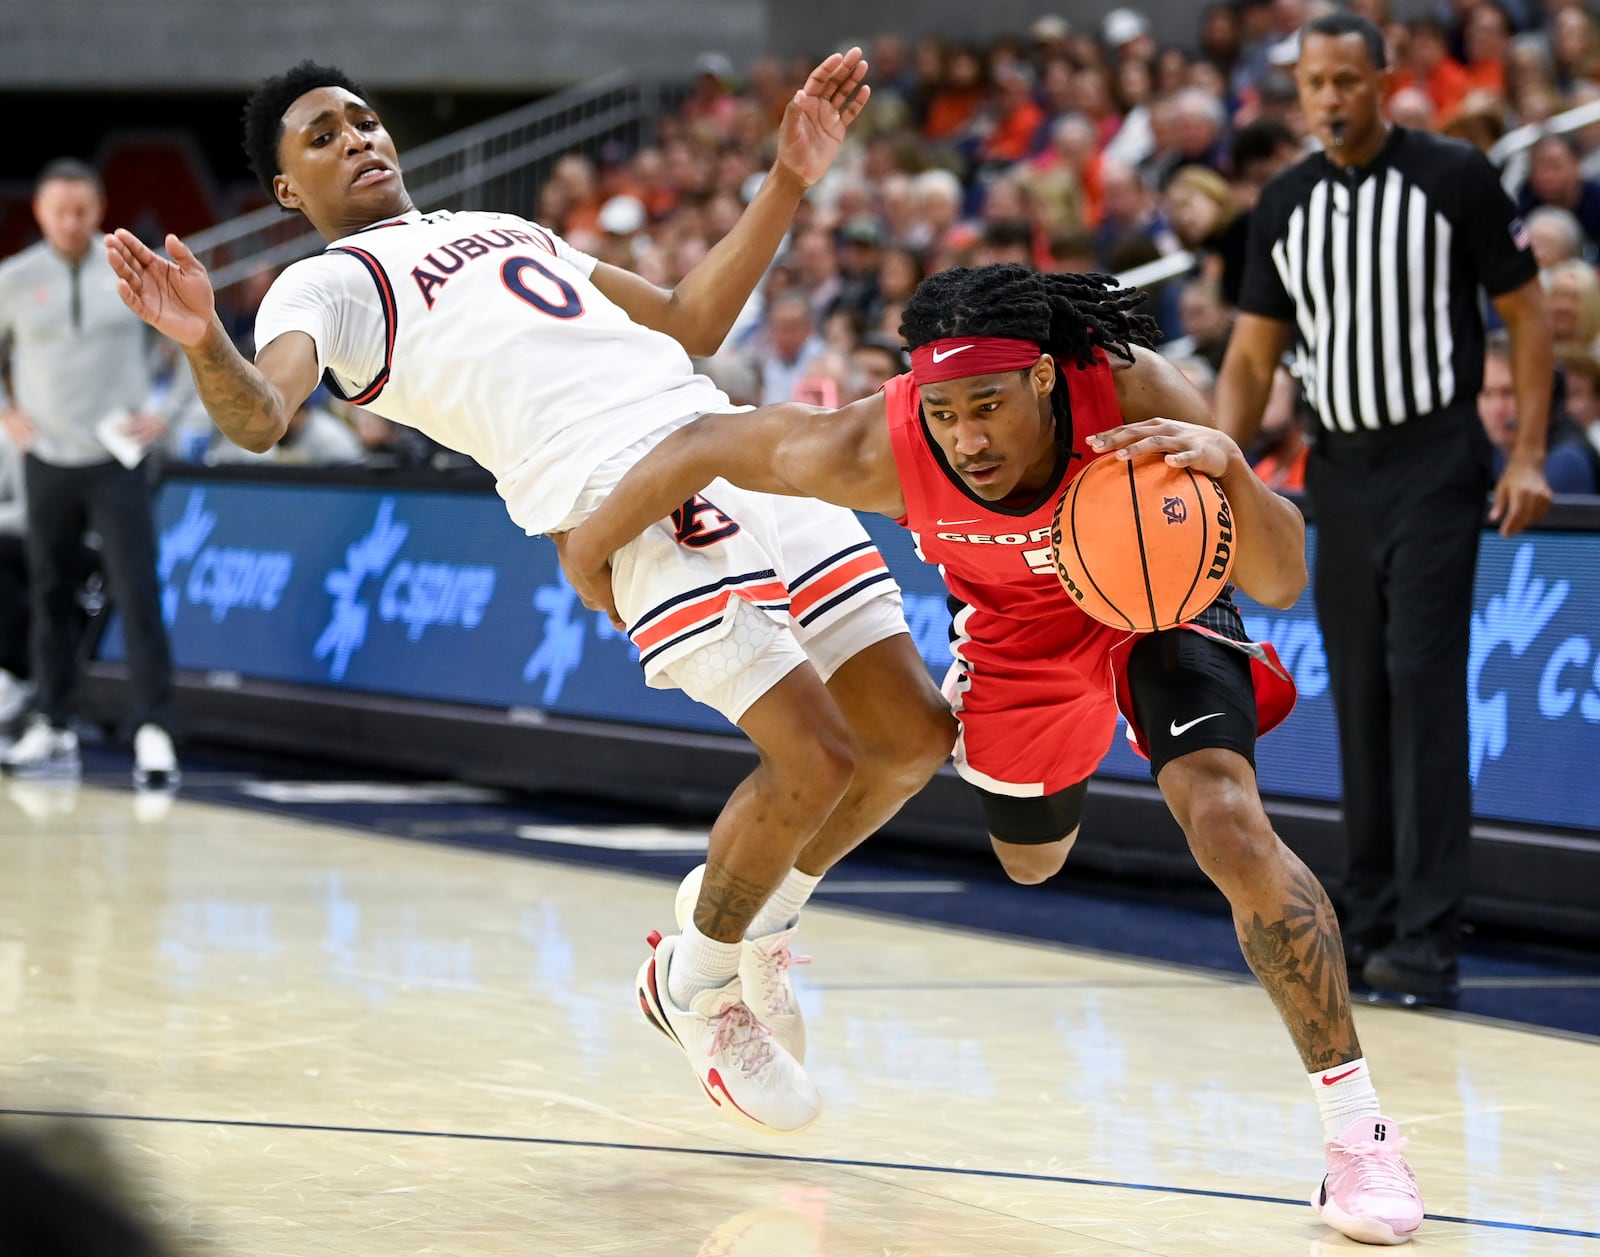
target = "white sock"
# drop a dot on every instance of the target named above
(700, 964)
(1344, 1093)
(779, 912)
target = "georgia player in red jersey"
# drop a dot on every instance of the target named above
(1018, 380)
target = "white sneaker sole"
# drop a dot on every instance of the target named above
(1362, 1230)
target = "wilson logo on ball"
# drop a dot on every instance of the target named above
(1222, 559)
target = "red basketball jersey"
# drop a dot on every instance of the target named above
(996, 559)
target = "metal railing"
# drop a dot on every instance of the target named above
(498, 164)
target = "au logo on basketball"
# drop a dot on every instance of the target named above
(1174, 509)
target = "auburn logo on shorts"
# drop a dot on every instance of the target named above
(699, 523)
(1174, 509)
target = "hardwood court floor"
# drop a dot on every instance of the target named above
(301, 1039)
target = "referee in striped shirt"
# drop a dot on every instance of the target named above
(1369, 256)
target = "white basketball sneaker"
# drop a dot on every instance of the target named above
(764, 965)
(43, 751)
(744, 1071)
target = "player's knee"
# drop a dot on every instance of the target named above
(1031, 863)
(824, 764)
(920, 741)
(1214, 797)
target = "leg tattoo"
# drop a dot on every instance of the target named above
(1299, 958)
(728, 902)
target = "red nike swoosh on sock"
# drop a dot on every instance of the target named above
(1328, 1082)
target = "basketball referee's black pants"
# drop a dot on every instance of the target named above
(115, 502)
(1399, 514)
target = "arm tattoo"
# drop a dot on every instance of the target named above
(241, 401)
(728, 903)
(1300, 961)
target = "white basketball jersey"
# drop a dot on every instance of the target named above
(497, 344)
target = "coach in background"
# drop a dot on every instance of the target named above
(79, 376)
(1370, 255)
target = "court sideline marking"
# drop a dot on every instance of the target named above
(740, 1154)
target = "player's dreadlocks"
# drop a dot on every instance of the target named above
(1066, 315)
(263, 113)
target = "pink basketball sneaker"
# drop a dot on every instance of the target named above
(1369, 1192)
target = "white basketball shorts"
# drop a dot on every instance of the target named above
(737, 589)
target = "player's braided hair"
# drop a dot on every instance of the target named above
(263, 113)
(1068, 316)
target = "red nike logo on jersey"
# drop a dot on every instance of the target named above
(1328, 1082)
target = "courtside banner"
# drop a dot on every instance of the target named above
(435, 594)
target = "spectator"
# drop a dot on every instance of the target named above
(1208, 221)
(1572, 296)
(955, 102)
(1427, 64)
(874, 362)
(1580, 369)
(1260, 150)
(1199, 133)
(1556, 235)
(1486, 38)
(1412, 107)
(860, 258)
(1278, 454)
(1127, 36)
(1014, 117)
(1566, 465)
(791, 345)
(1553, 179)
(937, 196)
(1574, 46)
(1005, 240)
(1480, 120)
(1207, 322)
(80, 372)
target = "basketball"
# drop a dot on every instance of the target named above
(1142, 545)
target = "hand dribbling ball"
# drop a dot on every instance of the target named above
(1142, 545)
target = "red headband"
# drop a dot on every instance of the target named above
(959, 357)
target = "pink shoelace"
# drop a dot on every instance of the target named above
(1378, 1167)
(743, 1036)
(777, 963)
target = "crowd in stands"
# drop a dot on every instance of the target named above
(1069, 149)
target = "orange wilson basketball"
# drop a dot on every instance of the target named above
(1142, 545)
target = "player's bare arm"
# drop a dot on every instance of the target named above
(1164, 414)
(251, 404)
(701, 309)
(1522, 497)
(840, 456)
(1243, 385)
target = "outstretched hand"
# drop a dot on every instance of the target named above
(172, 295)
(816, 118)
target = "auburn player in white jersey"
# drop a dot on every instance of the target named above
(558, 373)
